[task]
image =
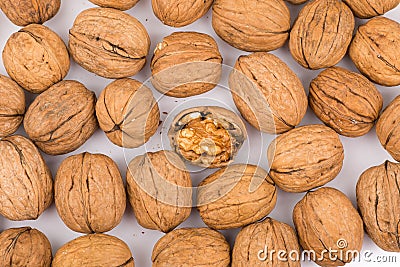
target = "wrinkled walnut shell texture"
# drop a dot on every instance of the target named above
(117, 4)
(370, 8)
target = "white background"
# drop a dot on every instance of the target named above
(360, 153)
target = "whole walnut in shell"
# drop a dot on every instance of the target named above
(254, 243)
(179, 13)
(370, 8)
(375, 50)
(109, 42)
(117, 4)
(193, 247)
(89, 193)
(36, 58)
(321, 34)
(61, 119)
(160, 190)
(24, 247)
(25, 180)
(388, 128)
(305, 158)
(346, 101)
(94, 250)
(236, 196)
(378, 199)
(24, 12)
(186, 64)
(128, 113)
(326, 219)
(252, 25)
(209, 137)
(12, 106)
(268, 94)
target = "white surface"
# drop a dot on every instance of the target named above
(360, 153)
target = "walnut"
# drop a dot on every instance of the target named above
(378, 199)
(24, 12)
(255, 242)
(36, 58)
(370, 8)
(12, 106)
(207, 136)
(89, 193)
(375, 50)
(236, 196)
(186, 64)
(94, 250)
(346, 101)
(321, 34)
(193, 247)
(24, 247)
(109, 42)
(128, 113)
(252, 25)
(61, 119)
(179, 13)
(305, 158)
(297, 2)
(160, 190)
(117, 4)
(25, 180)
(388, 130)
(325, 219)
(268, 94)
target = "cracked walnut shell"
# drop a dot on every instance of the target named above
(128, 113)
(326, 219)
(346, 101)
(24, 247)
(305, 158)
(94, 250)
(268, 94)
(193, 247)
(375, 50)
(89, 193)
(109, 42)
(26, 185)
(321, 34)
(117, 4)
(370, 8)
(378, 199)
(252, 25)
(36, 58)
(236, 196)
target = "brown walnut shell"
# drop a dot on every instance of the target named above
(26, 185)
(375, 50)
(12, 106)
(209, 137)
(252, 25)
(345, 101)
(94, 250)
(378, 199)
(325, 219)
(388, 128)
(236, 196)
(296, 2)
(254, 243)
(89, 193)
(24, 12)
(186, 64)
(179, 13)
(109, 43)
(24, 247)
(268, 94)
(305, 158)
(160, 190)
(193, 247)
(117, 4)
(61, 119)
(36, 58)
(128, 113)
(321, 34)
(370, 8)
